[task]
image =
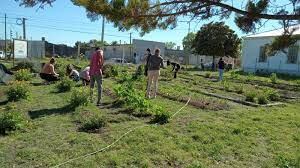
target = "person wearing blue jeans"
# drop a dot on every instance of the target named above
(221, 65)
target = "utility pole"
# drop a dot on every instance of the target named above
(102, 34)
(130, 47)
(24, 28)
(5, 47)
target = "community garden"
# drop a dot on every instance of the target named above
(244, 121)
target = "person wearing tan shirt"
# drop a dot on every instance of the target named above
(48, 73)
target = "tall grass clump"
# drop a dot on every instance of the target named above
(79, 97)
(110, 70)
(93, 122)
(11, 121)
(250, 77)
(226, 85)
(65, 85)
(273, 78)
(239, 89)
(250, 96)
(272, 95)
(262, 99)
(23, 75)
(17, 91)
(161, 116)
(207, 75)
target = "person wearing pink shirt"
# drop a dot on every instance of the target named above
(96, 65)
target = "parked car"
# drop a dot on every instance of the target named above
(2, 55)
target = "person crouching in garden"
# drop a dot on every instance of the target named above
(48, 73)
(73, 73)
(85, 76)
(96, 65)
(154, 64)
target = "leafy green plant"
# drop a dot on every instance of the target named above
(110, 70)
(272, 95)
(139, 72)
(65, 85)
(239, 89)
(262, 99)
(225, 85)
(18, 90)
(161, 116)
(10, 121)
(79, 97)
(23, 75)
(207, 75)
(93, 122)
(234, 75)
(26, 64)
(250, 96)
(250, 77)
(273, 78)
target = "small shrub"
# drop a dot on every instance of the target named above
(79, 97)
(161, 117)
(25, 65)
(273, 78)
(262, 99)
(250, 77)
(239, 89)
(272, 95)
(226, 85)
(207, 75)
(23, 75)
(17, 91)
(110, 70)
(250, 96)
(234, 75)
(139, 72)
(94, 122)
(65, 85)
(10, 121)
(166, 74)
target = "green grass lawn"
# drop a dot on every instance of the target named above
(238, 136)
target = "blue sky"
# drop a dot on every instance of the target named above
(48, 23)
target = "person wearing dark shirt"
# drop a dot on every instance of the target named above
(176, 68)
(221, 66)
(154, 64)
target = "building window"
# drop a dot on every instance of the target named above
(262, 54)
(293, 55)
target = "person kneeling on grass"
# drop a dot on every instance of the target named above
(48, 73)
(73, 73)
(154, 64)
(85, 76)
(176, 68)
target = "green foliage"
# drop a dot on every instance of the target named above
(139, 72)
(61, 68)
(93, 122)
(239, 89)
(262, 99)
(250, 77)
(273, 78)
(79, 97)
(65, 85)
(250, 96)
(225, 85)
(272, 95)
(23, 75)
(161, 116)
(110, 70)
(234, 75)
(10, 121)
(188, 40)
(26, 64)
(217, 39)
(17, 91)
(207, 75)
(170, 45)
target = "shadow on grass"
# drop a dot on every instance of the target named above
(2, 103)
(45, 112)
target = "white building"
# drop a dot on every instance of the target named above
(140, 47)
(254, 58)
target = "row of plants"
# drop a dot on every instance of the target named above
(135, 100)
(263, 97)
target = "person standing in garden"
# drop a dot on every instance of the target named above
(96, 65)
(221, 65)
(154, 63)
